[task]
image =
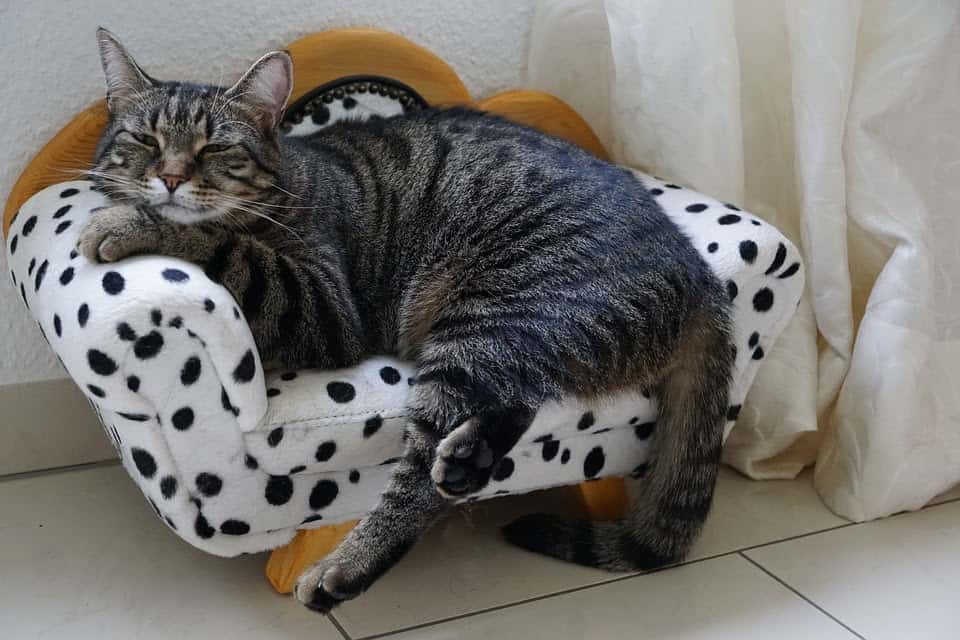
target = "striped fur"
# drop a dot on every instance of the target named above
(511, 266)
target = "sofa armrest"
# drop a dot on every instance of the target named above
(140, 337)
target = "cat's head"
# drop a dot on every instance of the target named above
(192, 152)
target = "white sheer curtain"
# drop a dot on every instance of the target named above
(839, 122)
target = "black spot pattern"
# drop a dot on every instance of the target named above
(29, 225)
(272, 392)
(645, 430)
(168, 486)
(135, 417)
(696, 208)
(758, 353)
(565, 456)
(712, 247)
(83, 314)
(41, 273)
(97, 391)
(234, 527)
(156, 317)
(732, 289)
(62, 211)
(144, 462)
(133, 383)
(100, 362)
(57, 325)
(175, 275)
(297, 469)
(504, 469)
(324, 492)
(203, 528)
(13, 244)
(326, 450)
(288, 376)
(66, 276)
(586, 421)
(279, 490)
(208, 484)
(789, 271)
(656, 192)
(341, 391)
(371, 426)
(550, 450)
(754, 339)
(250, 462)
(275, 436)
(593, 463)
(354, 476)
(182, 419)
(63, 226)
(209, 305)
(66, 193)
(190, 372)
(390, 375)
(748, 251)
(320, 115)
(113, 283)
(148, 346)
(763, 300)
(245, 368)
(730, 218)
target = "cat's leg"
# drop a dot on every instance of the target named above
(299, 307)
(411, 502)
(467, 456)
(408, 506)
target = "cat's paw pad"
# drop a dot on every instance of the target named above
(464, 461)
(324, 586)
(113, 233)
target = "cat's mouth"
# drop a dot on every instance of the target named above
(185, 214)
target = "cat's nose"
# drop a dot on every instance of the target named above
(172, 181)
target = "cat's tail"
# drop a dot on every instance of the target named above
(676, 492)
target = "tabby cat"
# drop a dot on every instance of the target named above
(510, 266)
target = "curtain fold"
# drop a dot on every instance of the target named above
(838, 122)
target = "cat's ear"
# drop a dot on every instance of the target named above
(125, 79)
(266, 86)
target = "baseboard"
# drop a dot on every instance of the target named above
(44, 425)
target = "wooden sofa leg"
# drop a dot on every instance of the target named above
(604, 499)
(288, 562)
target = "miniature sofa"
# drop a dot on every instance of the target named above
(235, 459)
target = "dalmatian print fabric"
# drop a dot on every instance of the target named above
(234, 459)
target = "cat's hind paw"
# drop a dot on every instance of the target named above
(324, 586)
(464, 461)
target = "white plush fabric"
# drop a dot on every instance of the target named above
(235, 460)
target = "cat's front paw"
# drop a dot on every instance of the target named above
(325, 585)
(115, 232)
(464, 461)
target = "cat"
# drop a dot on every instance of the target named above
(510, 266)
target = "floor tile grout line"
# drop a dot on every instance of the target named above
(601, 583)
(36, 473)
(799, 595)
(545, 596)
(336, 623)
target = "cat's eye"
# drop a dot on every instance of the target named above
(145, 139)
(215, 148)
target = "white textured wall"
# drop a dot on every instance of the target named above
(49, 70)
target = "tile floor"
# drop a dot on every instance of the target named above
(82, 556)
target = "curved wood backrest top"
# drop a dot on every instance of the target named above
(317, 59)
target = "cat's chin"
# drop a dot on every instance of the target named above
(186, 215)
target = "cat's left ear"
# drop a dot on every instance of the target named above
(266, 86)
